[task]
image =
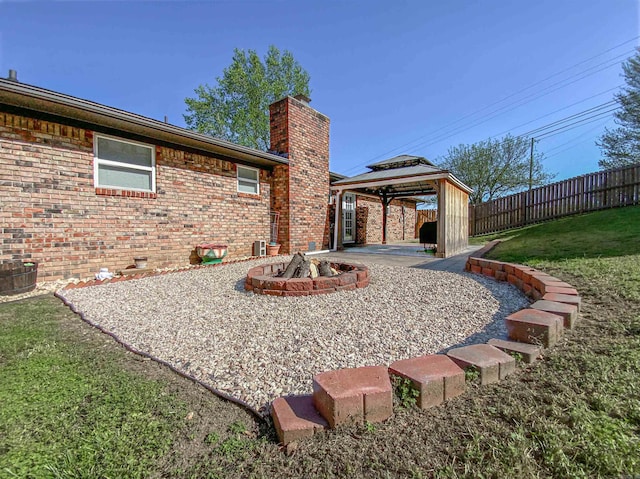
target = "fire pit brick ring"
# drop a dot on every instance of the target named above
(264, 279)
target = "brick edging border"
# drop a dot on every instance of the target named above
(532, 282)
(531, 328)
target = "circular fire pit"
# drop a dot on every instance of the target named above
(264, 280)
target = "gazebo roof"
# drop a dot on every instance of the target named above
(400, 177)
(400, 161)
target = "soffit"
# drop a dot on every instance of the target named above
(31, 98)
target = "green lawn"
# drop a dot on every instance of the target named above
(607, 233)
(68, 410)
(75, 404)
(601, 247)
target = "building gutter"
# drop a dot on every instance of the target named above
(37, 99)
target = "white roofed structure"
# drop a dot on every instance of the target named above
(407, 176)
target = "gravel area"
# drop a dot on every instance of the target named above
(256, 348)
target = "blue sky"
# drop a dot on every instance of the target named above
(394, 77)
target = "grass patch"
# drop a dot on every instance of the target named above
(604, 234)
(580, 416)
(71, 406)
(600, 248)
(575, 416)
(70, 411)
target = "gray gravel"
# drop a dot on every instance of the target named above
(257, 348)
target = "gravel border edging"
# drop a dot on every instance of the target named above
(151, 274)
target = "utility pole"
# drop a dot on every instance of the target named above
(531, 165)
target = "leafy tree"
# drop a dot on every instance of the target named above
(495, 167)
(621, 146)
(237, 109)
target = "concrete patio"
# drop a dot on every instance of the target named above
(404, 254)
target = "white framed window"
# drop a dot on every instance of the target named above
(248, 180)
(125, 165)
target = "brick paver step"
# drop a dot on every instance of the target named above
(353, 395)
(568, 311)
(564, 298)
(554, 284)
(435, 376)
(535, 327)
(295, 418)
(528, 352)
(561, 290)
(492, 363)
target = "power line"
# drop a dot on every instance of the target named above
(578, 123)
(574, 145)
(556, 111)
(570, 117)
(359, 165)
(494, 113)
(590, 130)
(486, 119)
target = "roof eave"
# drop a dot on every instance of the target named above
(337, 176)
(346, 184)
(28, 97)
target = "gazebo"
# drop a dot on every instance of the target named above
(408, 176)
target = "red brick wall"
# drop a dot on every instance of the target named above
(302, 133)
(369, 220)
(51, 213)
(279, 132)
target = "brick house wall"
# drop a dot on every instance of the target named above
(301, 191)
(369, 220)
(51, 212)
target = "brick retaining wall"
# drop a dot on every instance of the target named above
(364, 394)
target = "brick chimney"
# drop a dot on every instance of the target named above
(300, 191)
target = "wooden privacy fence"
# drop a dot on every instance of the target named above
(424, 216)
(595, 191)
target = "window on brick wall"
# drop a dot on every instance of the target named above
(124, 165)
(248, 180)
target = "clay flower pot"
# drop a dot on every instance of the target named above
(141, 262)
(273, 249)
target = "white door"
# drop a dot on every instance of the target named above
(348, 218)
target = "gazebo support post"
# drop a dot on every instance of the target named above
(385, 203)
(337, 223)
